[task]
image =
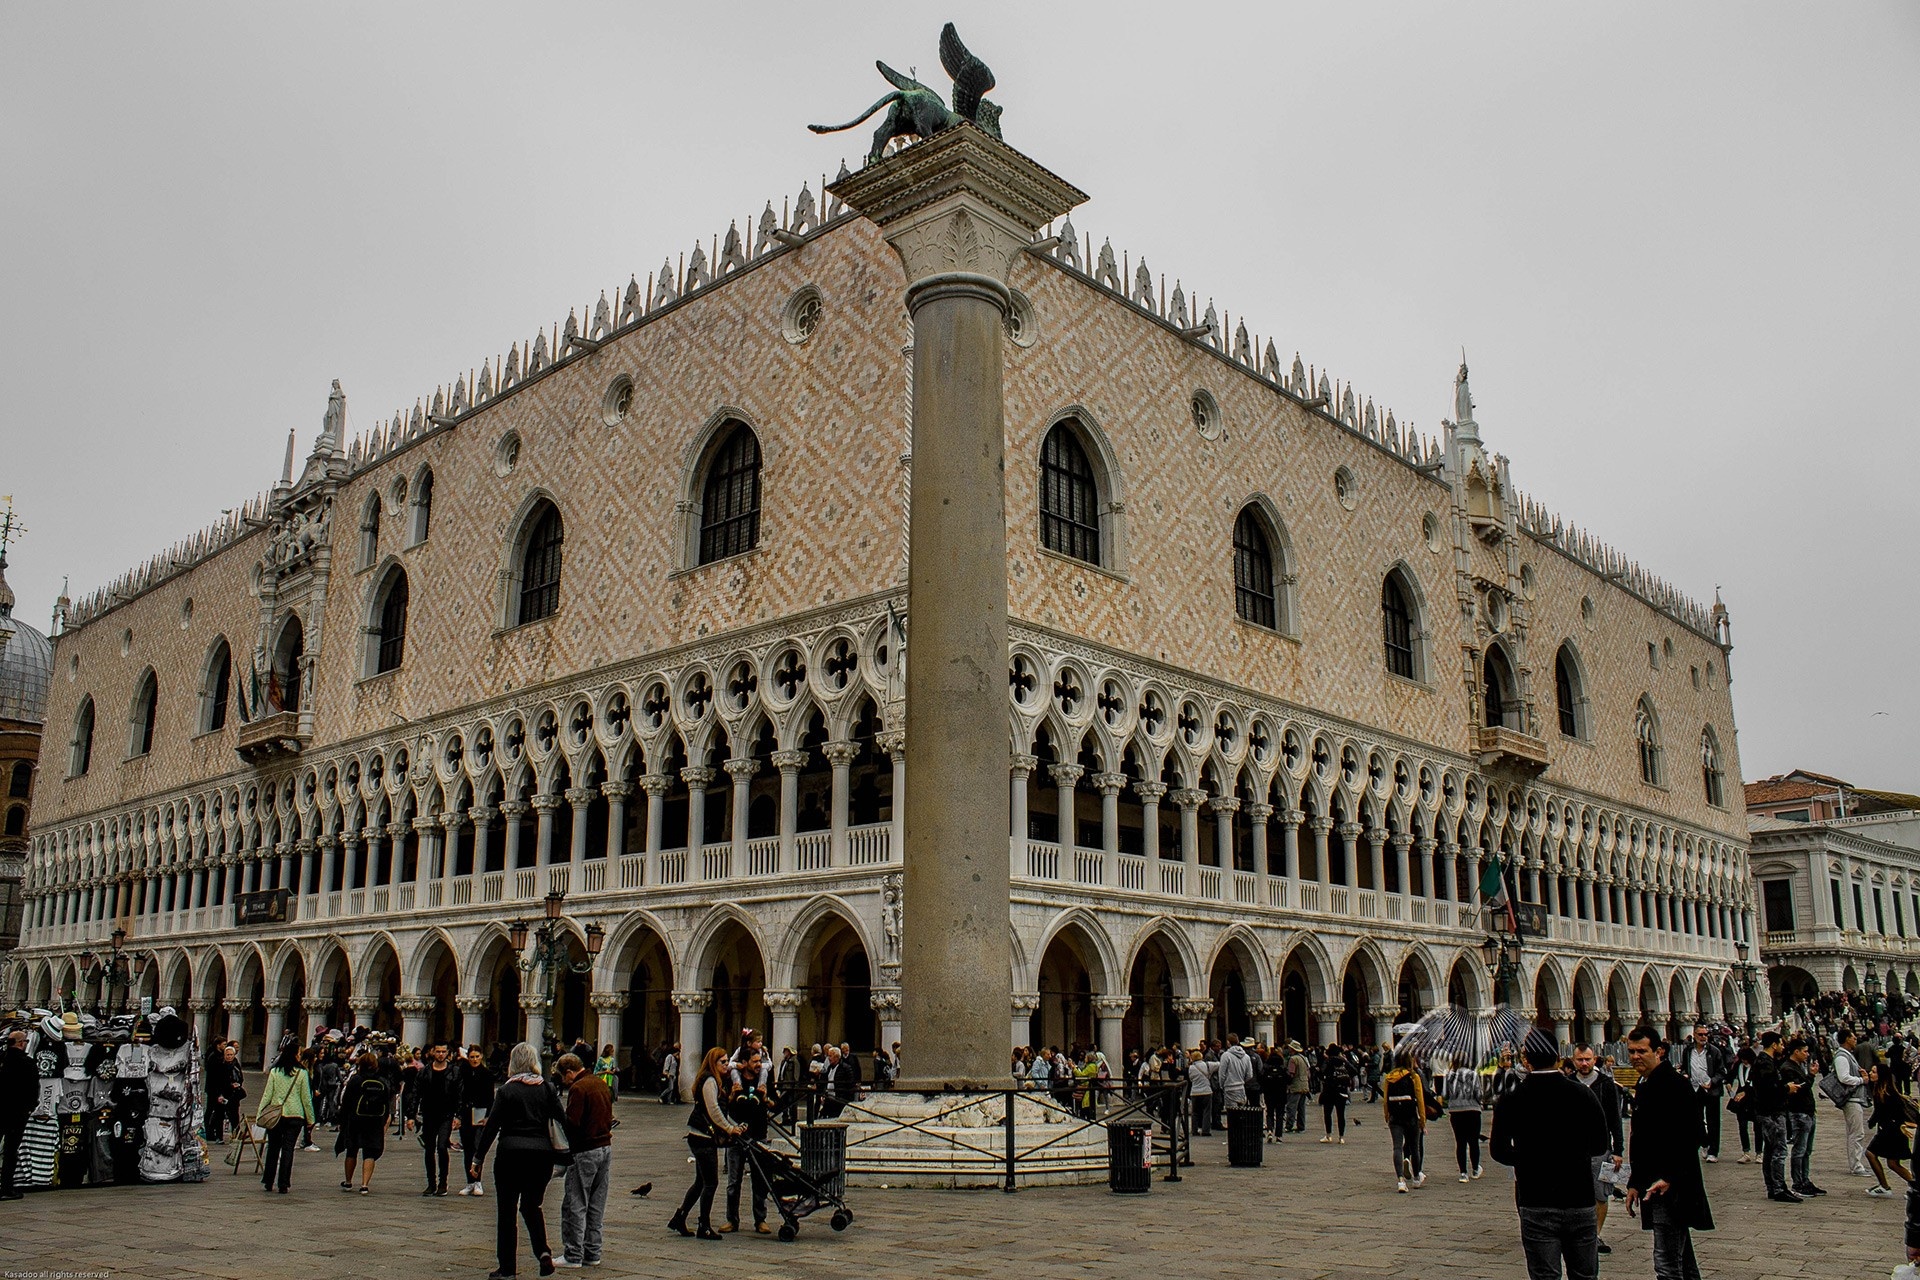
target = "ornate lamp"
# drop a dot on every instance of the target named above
(596, 938)
(517, 935)
(556, 902)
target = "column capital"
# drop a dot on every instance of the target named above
(839, 754)
(697, 777)
(317, 1004)
(398, 829)
(544, 803)
(1150, 792)
(580, 797)
(424, 825)
(1293, 817)
(533, 1001)
(656, 784)
(1109, 784)
(1265, 1009)
(1192, 1008)
(472, 1004)
(1188, 798)
(692, 1001)
(1425, 845)
(1349, 830)
(1108, 1007)
(512, 809)
(1065, 775)
(1327, 1012)
(416, 1005)
(608, 1001)
(1025, 1002)
(789, 760)
(893, 741)
(1322, 824)
(1400, 840)
(361, 1008)
(1259, 811)
(616, 790)
(742, 768)
(482, 815)
(779, 1001)
(1225, 804)
(236, 1006)
(1561, 1015)
(452, 819)
(884, 1002)
(1023, 763)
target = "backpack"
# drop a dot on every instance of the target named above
(374, 1096)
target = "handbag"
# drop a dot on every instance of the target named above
(1835, 1092)
(557, 1131)
(270, 1114)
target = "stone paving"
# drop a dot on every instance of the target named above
(1310, 1211)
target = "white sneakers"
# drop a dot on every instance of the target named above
(1402, 1187)
(1477, 1171)
(1465, 1178)
(1878, 1190)
(1713, 1159)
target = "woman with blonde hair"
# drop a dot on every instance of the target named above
(708, 1127)
(524, 1110)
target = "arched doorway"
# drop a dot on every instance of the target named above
(1362, 990)
(502, 1021)
(836, 988)
(333, 984)
(736, 989)
(381, 985)
(649, 1024)
(1064, 1018)
(1233, 985)
(1156, 977)
(439, 976)
(1415, 989)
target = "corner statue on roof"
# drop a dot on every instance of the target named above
(917, 111)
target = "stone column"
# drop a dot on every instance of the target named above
(785, 1008)
(1401, 841)
(1290, 846)
(336, 862)
(610, 1008)
(314, 1008)
(1110, 1014)
(1266, 1016)
(741, 769)
(1259, 813)
(839, 755)
(372, 833)
(426, 856)
(1188, 799)
(447, 845)
(957, 207)
(1193, 1020)
(472, 1010)
(534, 1005)
(1224, 807)
(693, 1012)
(202, 1026)
(512, 811)
(543, 807)
(1109, 785)
(656, 786)
(1326, 1022)
(1322, 859)
(895, 745)
(1018, 772)
(482, 843)
(276, 1028)
(286, 869)
(1383, 1028)
(1563, 1027)
(579, 798)
(886, 1004)
(414, 1011)
(616, 794)
(1350, 851)
(236, 1018)
(697, 780)
(1150, 794)
(789, 763)
(362, 1010)
(1065, 778)
(1023, 1006)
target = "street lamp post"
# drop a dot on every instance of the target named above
(119, 967)
(545, 948)
(1747, 974)
(1502, 952)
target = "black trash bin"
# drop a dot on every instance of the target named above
(1130, 1157)
(823, 1154)
(1246, 1137)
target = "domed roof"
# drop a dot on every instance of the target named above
(26, 664)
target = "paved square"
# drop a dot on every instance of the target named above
(1310, 1211)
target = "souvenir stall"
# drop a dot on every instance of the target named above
(120, 1100)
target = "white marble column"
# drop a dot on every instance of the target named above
(610, 1009)
(741, 770)
(1193, 1020)
(616, 794)
(789, 763)
(473, 1011)
(693, 1013)
(1110, 1013)
(785, 1008)
(697, 780)
(1019, 770)
(543, 807)
(840, 755)
(1065, 777)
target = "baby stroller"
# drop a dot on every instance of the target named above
(795, 1194)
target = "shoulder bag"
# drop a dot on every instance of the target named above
(270, 1114)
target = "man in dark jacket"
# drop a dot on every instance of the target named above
(841, 1081)
(436, 1094)
(1587, 1071)
(1767, 1098)
(1550, 1128)
(1796, 1077)
(1705, 1067)
(1665, 1153)
(19, 1093)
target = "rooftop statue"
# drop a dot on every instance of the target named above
(917, 111)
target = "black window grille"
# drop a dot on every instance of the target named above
(1253, 596)
(1397, 619)
(1069, 498)
(393, 626)
(1563, 695)
(540, 567)
(730, 500)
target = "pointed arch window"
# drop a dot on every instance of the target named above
(1254, 598)
(81, 758)
(144, 715)
(1499, 693)
(1566, 692)
(370, 533)
(420, 516)
(1399, 626)
(1069, 497)
(1712, 777)
(284, 677)
(21, 784)
(1646, 736)
(17, 820)
(387, 638)
(730, 497)
(216, 687)
(540, 565)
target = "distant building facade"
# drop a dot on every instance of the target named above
(620, 617)
(1837, 877)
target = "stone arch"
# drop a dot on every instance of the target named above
(1549, 991)
(1237, 979)
(526, 516)
(697, 461)
(378, 981)
(726, 960)
(1364, 998)
(638, 960)
(826, 957)
(1417, 990)
(1095, 943)
(1467, 985)
(418, 975)
(1162, 972)
(490, 974)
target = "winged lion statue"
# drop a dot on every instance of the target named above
(913, 110)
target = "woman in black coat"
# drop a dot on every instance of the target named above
(523, 1110)
(1664, 1150)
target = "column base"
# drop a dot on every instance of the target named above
(966, 1147)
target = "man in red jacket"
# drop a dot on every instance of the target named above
(590, 1138)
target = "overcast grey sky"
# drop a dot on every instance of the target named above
(1677, 242)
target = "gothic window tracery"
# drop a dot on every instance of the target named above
(1646, 735)
(1400, 627)
(1069, 497)
(730, 496)
(539, 567)
(1253, 584)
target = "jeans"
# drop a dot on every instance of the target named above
(739, 1167)
(706, 1181)
(520, 1180)
(281, 1140)
(1855, 1114)
(1200, 1115)
(1408, 1148)
(1800, 1143)
(1772, 1131)
(1466, 1139)
(1296, 1113)
(437, 1133)
(1328, 1110)
(585, 1204)
(1553, 1237)
(470, 1132)
(1672, 1245)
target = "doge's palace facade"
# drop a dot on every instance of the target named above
(621, 617)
